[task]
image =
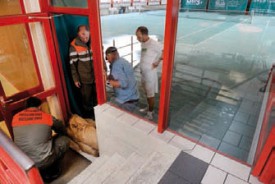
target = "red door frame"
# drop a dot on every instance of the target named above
(93, 14)
(18, 99)
(171, 26)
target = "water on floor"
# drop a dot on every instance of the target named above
(221, 63)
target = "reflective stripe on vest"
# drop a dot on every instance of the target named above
(32, 116)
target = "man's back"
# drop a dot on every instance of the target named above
(124, 73)
(32, 133)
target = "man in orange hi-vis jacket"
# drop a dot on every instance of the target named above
(32, 129)
(82, 69)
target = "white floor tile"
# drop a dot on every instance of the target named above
(213, 175)
(202, 153)
(101, 108)
(231, 166)
(105, 170)
(144, 126)
(182, 143)
(128, 118)
(254, 180)
(115, 112)
(234, 180)
(166, 136)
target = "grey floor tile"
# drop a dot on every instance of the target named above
(243, 129)
(245, 143)
(242, 117)
(233, 151)
(189, 168)
(171, 178)
(232, 138)
(253, 120)
(210, 141)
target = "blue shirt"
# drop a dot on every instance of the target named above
(124, 73)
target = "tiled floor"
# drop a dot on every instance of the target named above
(189, 162)
(185, 169)
(218, 71)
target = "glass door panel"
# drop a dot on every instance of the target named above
(70, 3)
(10, 7)
(17, 68)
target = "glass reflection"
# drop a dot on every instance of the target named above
(129, 47)
(10, 7)
(17, 69)
(70, 3)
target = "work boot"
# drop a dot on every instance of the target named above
(149, 115)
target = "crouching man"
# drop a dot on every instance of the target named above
(32, 131)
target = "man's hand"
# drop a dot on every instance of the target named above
(155, 64)
(115, 83)
(77, 84)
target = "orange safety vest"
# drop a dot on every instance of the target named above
(32, 116)
(79, 48)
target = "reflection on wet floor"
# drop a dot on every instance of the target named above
(221, 63)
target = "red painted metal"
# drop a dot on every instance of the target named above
(11, 172)
(267, 149)
(131, 2)
(21, 2)
(268, 173)
(34, 176)
(168, 62)
(21, 19)
(96, 45)
(270, 104)
(44, 5)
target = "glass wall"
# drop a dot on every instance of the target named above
(221, 65)
(119, 30)
(10, 7)
(17, 69)
(70, 3)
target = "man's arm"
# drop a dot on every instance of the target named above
(156, 63)
(58, 126)
(73, 66)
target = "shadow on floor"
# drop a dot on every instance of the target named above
(72, 165)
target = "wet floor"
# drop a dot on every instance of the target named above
(221, 63)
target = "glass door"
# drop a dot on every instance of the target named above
(28, 65)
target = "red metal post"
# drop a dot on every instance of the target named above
(131, 2)
(171, 25)
(95, 24)
(267, 149)
(268, 173)
(269, 105)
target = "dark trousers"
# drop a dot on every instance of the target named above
(89, 99)
(60, 146)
